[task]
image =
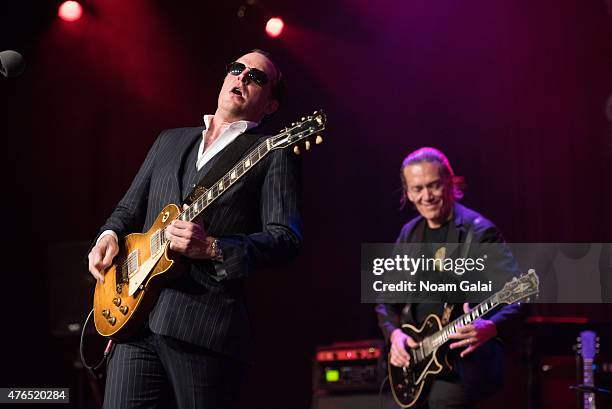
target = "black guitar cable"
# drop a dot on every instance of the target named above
(380, 395)
(109, 346)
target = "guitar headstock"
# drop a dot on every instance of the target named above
(588, 344)
(300, 132)
(520, 288)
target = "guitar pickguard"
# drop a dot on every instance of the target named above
(407, 384)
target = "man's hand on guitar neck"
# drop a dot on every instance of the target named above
(190, 239)
(473, 335)
(399, 341)
(101, 255)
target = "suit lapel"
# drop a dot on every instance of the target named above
(177, 166)
(455, 233)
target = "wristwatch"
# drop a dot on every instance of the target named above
(216, 251)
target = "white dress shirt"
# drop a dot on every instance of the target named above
(229, 132)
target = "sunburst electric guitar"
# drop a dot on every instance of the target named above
(143, 266)
(429, 358)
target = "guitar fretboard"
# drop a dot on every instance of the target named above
(587, 374)
(436, 340)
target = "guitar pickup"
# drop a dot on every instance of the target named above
(156, 242)
(132, 262)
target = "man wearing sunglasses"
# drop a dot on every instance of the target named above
(193, 350)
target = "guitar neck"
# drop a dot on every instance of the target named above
(587, 345)
(298, 132)
(587, 379)
(287, 137)
(439, 338)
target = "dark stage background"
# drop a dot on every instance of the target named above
(514, 92)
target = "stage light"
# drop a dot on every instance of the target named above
(70, 11)
(274, 27)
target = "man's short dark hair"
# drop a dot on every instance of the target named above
(278, 83)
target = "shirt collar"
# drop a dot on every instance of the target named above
(241, 126)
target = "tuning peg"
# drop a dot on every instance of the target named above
(307, 144)
(319, 139)
(292, 123)
(303, 118)
(296, 150)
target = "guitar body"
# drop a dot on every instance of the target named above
(117, 313)
(407, 384)
(431, 355)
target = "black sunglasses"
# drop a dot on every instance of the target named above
(257, 76)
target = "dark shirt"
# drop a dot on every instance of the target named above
(431, 239)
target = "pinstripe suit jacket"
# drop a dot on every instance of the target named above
(256, 220)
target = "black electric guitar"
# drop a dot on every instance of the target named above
(429, 357)
(143, 266)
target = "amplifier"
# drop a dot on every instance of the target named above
(358, 366)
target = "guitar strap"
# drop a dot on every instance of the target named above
(465, 249)
(227, 159)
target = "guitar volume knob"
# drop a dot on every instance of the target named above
(117, 301)
(105, 313)
(123, 309)
(112, 320)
